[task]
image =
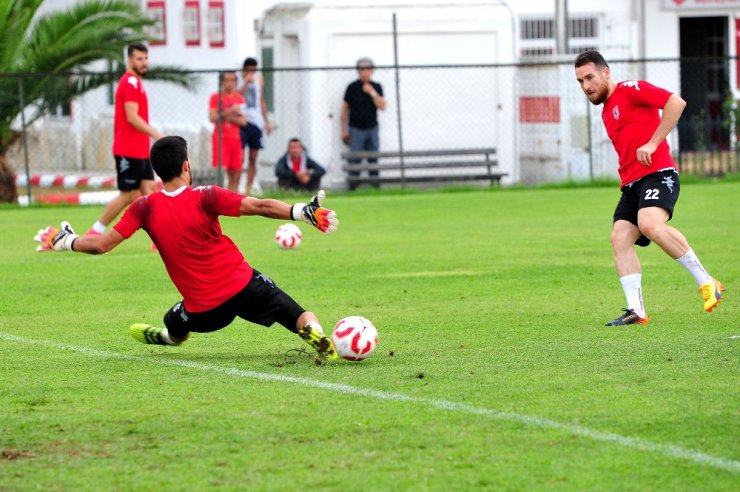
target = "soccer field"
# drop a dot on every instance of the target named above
(494, 370)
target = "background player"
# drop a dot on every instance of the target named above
(649, 179)
(131, 133)
(216, 282)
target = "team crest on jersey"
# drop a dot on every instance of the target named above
(631, 83)
(615, 112)
(133, 81)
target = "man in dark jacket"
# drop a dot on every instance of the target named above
(295, 170)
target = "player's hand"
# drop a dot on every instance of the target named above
(315, 214)
(645, 152)
(44, 236)
(64, 238)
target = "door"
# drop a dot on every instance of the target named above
(704, 83)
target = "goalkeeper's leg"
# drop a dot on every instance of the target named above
(179, 323)
(155, 335)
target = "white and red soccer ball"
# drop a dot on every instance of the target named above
(355, 338)
(288, 236)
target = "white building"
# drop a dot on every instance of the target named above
(536, 116)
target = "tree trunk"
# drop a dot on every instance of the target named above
(8, 190)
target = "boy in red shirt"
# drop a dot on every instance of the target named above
(214, 279)
(228, 119)
(649, 179)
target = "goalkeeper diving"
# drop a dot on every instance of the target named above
(216, 282)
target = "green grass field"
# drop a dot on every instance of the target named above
(494, 370)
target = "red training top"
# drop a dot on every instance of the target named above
(127, 140)
(230, 130)
(631, 116)
(205, 265)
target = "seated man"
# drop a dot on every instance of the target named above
(296, 171)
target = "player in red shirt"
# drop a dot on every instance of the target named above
(215, 281)
(131, 133)
(649, 179)
(229, 120)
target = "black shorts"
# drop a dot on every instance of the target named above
(659, 189)
(261, 302)
(251, 136)
(131, 172)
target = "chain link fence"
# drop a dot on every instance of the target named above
(535, 115)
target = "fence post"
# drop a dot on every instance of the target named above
(398, 102)
(590, 143)
(219, 129)
(24, 138)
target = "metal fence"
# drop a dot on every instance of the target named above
(534, 114)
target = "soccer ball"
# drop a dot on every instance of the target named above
(355, 338)
(288, 236)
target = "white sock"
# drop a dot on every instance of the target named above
(98, 227)
(316, 326)
(632, 286)
(691, 263)
(166, 338)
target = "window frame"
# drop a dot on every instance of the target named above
(191, 5)
(214, 6)
(153, 6)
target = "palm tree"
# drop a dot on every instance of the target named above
(52, 52)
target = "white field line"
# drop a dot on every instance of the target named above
(669, 450)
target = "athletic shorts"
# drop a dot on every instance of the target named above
(261, 302)
(232, 153)
(251, 136)
(659, 189)
(130, 172)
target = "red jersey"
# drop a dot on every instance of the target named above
(230, 130)
(127, 140)
(205, 265)
(631, 116)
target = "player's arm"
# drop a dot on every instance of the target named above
(671, 113)
(233, 115)
(263, 106)
(378, 99)
(66, 239)
(312, 213)
(343, 112)
(213, 114)
(265, 207)
(97, 245)
(132, 116)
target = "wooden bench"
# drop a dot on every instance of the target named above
(420, 166)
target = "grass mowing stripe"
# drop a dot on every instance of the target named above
(596, 435)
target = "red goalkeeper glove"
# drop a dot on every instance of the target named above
(314, 214)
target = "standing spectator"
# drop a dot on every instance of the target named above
(296, 170)
(131, 133)
(253, 90)
(649, 179)
(362, 99)
(228, 119)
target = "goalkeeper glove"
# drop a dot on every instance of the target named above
(314, 214)
(44, 236)
(65, 238)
